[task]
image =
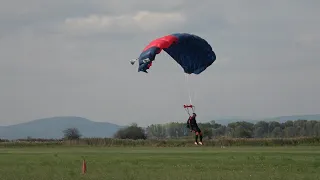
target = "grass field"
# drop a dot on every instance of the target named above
(145, 163)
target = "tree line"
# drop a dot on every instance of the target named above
(241, 129)
(211, 130)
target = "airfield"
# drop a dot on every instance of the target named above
(146, 163)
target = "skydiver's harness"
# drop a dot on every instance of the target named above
(188, 108)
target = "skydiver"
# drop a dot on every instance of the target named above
(193, 126)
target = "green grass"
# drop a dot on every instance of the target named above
(216, 142)
(151, 163)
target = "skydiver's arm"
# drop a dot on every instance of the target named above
(189, 124)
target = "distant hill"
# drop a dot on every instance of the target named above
(226, 121)
(294, 117)
(53, 127)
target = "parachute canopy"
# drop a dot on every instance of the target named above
(193, 53)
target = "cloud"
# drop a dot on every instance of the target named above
(145, 21)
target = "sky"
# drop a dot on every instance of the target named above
(71, 58)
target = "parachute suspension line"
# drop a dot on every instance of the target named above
(187, 84)
(187, 106)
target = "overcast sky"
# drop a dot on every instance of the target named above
(71, 58)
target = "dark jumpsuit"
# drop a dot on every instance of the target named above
(193, 124)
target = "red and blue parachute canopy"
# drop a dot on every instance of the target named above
(193, 53)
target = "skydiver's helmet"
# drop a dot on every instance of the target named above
(194, 114)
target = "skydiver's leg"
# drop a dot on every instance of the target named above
(196, 137)
(200, 135)
(194, 129)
